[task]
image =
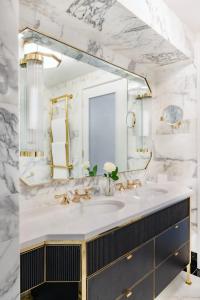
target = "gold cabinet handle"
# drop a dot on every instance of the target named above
(128, 293)
(176, 254)
(129, 257)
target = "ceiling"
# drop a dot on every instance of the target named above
(187, 11)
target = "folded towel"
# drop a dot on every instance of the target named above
(59, 154)
(59, 173)
(58, 130)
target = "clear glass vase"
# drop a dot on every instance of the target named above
(109, 188)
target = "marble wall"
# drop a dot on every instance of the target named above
(164, 21)
(9, 259)
(175, 150)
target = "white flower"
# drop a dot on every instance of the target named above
(86, 165)
(109, 167)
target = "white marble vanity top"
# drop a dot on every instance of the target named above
(73, 222)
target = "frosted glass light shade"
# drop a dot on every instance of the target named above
(31, 109)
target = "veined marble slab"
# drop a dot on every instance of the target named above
(69, 223)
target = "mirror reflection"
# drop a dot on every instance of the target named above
(78, 112)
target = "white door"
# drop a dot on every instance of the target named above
(104, 124)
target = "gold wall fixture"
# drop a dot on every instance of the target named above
(144, 96)
(32, 153)
(176, 125)
(143, 150)
(68, 165)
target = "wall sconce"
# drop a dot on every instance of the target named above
(31, 108)
(36, 59)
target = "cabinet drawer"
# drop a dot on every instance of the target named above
(167, 271)
(111, 282)
(31, 269)
(110, 246)
(171, 240)
(63, 263)
(142, 291)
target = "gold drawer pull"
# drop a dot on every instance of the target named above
(128, 293)
(176, 254)
(176, 227)
(129, 257)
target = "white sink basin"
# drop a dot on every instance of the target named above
(150, 191)
(101, 207)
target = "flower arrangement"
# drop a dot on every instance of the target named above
(111, 171)
(111, 175)
(92, 172)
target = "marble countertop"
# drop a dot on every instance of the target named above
(58, 222)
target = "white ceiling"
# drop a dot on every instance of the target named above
(188, 11)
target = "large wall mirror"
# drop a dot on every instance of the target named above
(75, 110)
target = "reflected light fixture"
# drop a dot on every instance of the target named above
(51, 59)
(36, 58)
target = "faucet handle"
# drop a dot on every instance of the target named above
(75, 196)
(87, 193)
(65, 198)
(120, 186)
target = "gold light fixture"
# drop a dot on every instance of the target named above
(36, 58)
(51, 59)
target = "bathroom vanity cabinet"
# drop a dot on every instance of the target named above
(134, 261)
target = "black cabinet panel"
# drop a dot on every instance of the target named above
(110, 283)
(167, 271)
(63, 263)
(171, 240)
(31, 269)
(142, 291)
(109, 247)
(56, 291)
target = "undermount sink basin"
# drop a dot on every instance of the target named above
(101, 207)
(148, 191)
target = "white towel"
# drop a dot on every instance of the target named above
(58, 130)
(59, 154)
(59, 173)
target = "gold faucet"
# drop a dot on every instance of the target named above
(120, 186)
(78, 196)
(64, 199)
(133, 184)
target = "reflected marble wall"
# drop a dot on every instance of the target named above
(9, 259)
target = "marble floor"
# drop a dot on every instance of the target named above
(178, 290)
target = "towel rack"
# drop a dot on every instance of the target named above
(68, 165)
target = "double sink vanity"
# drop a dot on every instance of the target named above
(128, 246)
(78, 114)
